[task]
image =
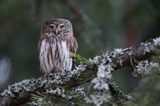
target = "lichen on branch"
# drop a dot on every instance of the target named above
(98, 72)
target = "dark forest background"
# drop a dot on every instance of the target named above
(98, 25)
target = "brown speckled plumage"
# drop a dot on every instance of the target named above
(56, 45)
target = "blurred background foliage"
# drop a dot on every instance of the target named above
(98, 25)
(148, 92)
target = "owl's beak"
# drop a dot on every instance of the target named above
(56, 31)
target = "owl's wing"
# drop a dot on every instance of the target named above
(73, 44)
(39, 42)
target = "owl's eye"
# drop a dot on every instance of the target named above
(52, 26)
(61, 26)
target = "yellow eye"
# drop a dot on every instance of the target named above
(61, 26)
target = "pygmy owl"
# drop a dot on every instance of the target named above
(56, 46)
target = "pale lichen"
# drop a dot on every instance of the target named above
(99, 98)
(119, 51)
(147, 47)
(145, 68)
(156, 41)
(103, 76)
(100, 84)
(58, 92)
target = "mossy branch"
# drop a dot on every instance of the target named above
(20, 93)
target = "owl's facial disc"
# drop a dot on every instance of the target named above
(57, 29)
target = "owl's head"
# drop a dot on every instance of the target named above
(56, 27)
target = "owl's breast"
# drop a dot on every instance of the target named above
(54, 55)
(65, 55)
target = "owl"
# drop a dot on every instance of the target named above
(57, 45)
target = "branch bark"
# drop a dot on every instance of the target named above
(20, 93)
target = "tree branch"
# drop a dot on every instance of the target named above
(19, 93)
